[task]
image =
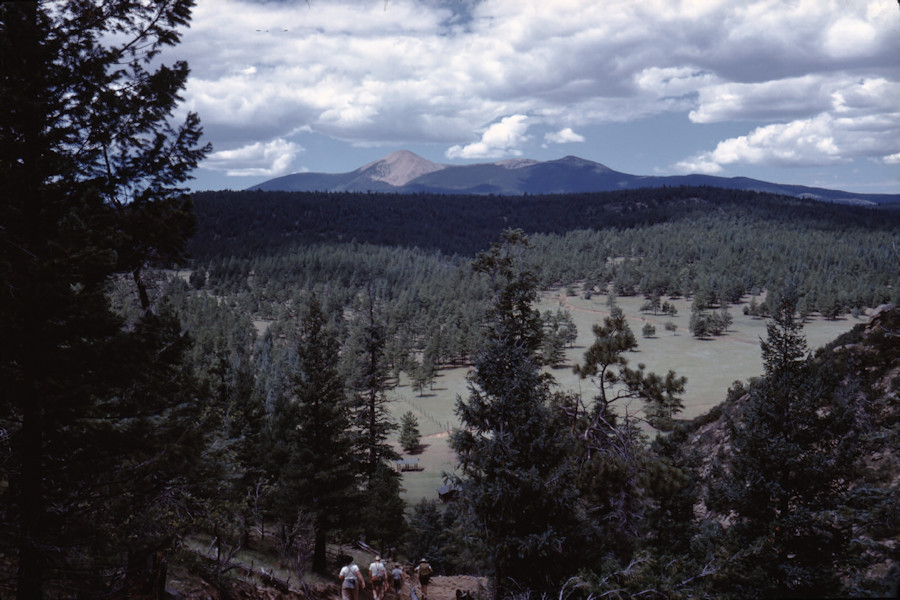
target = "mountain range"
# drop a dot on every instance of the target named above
(406, 172)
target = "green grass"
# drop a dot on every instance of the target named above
(711, 366)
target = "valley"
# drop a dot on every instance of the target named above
(710, 365)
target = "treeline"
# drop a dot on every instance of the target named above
(253, 222)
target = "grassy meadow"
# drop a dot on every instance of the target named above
(710, 365)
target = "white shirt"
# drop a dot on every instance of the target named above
(350, 572)
(376, 569)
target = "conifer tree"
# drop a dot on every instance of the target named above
(318, 475)
(611, 444)
(409, 432)
(381, 512)
(516, 483)
(98, 412)
(368, 378)
(793, 448)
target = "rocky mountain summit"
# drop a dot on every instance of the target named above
(399, 168)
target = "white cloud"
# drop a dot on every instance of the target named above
(808, 72)
(257, 159)
(893, 159)
(805, 142)
(699, 164)
(501, 139)
(563, 136)
(778, 99)
(859, 120)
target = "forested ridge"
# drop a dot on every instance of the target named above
(195, 386)
(254, 222)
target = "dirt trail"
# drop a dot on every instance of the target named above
(441, 587)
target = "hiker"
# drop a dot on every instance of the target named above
(397, 574)
(378, 578)
(424, 572)
(351, 581)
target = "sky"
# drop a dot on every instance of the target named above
(790, 91)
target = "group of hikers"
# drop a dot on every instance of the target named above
(352, 580)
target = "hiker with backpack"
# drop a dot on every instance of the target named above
(378, 578)
(351, 581)
(424, 572)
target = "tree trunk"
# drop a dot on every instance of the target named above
(146, 575)
(142, 289)
(320, 562)
(30, 501)
(28, 493)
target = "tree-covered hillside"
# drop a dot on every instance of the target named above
(401, 267)
(254, 222)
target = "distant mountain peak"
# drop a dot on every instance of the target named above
(575, 161)
(516, 163)
(399, 168)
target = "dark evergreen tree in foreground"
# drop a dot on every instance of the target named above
(381, 508)
(98, 415)
(318, 474)
(792, 458)
(516, 484)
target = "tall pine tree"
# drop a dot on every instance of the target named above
(381, 510)
(516, 483)
(97, 412)
(319, 475)
(793, 451)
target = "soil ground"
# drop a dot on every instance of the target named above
(440, 587)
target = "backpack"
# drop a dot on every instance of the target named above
(424, 570)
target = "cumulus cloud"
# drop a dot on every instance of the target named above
(806, 142)
(257, 159)
(780, 99)
(806, 74)
(563, 136)
(501, 139)
(857, 122)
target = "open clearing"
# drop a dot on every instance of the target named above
(711, 366)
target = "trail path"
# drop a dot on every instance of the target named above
(441, 587)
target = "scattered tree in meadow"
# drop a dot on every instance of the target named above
(559, 331)
(424, 372)
(653, 304)
(410, 438)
